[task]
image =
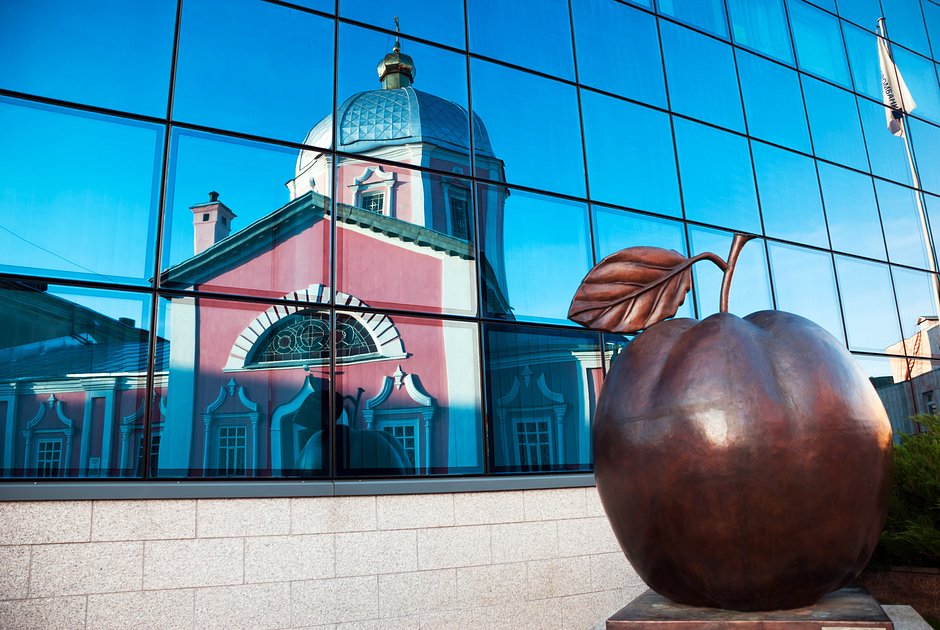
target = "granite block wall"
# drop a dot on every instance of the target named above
(533, 558)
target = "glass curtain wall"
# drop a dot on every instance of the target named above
(333, 239)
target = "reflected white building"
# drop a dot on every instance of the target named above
(915, 379)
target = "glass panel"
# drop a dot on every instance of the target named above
(863, 12)
(891, 380)
(537, 249)
(251, 399)
(886, 152)
(618, 50)
(924, 376)
(933, 213)
(327, 6)
(630, 155)
(549, 128)
(925, 143)
(921, 77)
(761, 25)
(431, 426)
(773, 102)
(903, 231)
(102, 52)
(441, 21)
(305, 336)
(906, 24)
(701, 75)
(750, 291)
(708, 15)
(616, 229)
(250, 235)
(854, 224)
(871, 316)
(789, 196)
(405, 238)
(917, 302)
(716, 175)
(73, 378)
(834, 124)
(112, 191)
(818, 43)
(424, 124)
(250, 52)
(862, 47)
(932, 18)
(829, 5)
(516, 32)
(542, 391)
(804, 284)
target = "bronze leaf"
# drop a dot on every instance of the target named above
(632, 290)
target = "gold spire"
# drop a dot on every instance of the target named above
(396, 70)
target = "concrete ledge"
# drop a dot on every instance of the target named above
(115, 489)
(906, 618)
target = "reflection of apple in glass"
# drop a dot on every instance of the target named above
(742, 463)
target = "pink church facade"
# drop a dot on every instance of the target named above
(257, 387)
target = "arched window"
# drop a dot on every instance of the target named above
(304, 338)
(285, 335)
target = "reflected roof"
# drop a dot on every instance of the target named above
(83, 357)
(292, 219)
(389, 117)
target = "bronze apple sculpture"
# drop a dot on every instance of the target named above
(743, 463)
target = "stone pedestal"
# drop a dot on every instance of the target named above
(847, 609)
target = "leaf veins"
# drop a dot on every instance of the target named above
(632, 290)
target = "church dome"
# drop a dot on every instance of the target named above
(388, 117)
(397, 114)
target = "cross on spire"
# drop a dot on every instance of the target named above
(397, 47)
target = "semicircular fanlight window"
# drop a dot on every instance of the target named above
(304, 338)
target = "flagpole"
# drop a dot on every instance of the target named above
(924, 223)
(918, 192)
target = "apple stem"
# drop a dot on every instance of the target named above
(736, 245)
(715, 258)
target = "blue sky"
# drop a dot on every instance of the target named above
(71, 181)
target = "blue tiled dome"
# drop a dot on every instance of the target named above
(398, 116)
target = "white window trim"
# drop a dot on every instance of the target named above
(212, 418)
(555, 408)
(68, 428)
(425, 409)
(383, 183)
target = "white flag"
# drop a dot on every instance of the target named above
(897, 98)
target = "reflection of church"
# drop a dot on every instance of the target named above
(242, 391)
(402, 237)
